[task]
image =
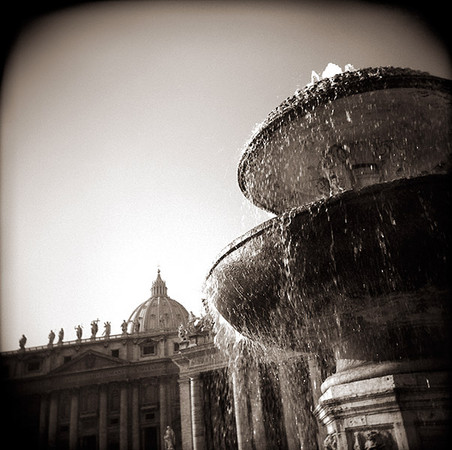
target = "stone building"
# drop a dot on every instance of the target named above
(105, 392)
(122, 391)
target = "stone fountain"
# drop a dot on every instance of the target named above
(354, 268)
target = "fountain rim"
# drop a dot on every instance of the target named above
(370, 190)
(244, 238)
(322, 92)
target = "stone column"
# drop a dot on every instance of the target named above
(315, 377)
(287, 399)
(103, 417)
(43, 422)
(242, 420)
(135, 416)
(53, 419)
(164, 410)
(255, 395)
(73, 424)
(185, 413)
(123, 419)
(169, 412)
(297, 395)
(197, 411)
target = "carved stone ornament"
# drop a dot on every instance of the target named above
(330, 442)
(373, 440)
(195, 325)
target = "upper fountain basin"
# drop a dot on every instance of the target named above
(346, 132)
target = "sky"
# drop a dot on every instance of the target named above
(122, 125)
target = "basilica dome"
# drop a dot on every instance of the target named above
(159, 312)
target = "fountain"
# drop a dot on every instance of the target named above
(353, 271)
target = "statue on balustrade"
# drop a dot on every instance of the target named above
(94, 328)
(79, 332)
(60, 336)
(124, 327)
(195, 325)
(136, 325)
(107, 329)
(51, 338)
(22, 341)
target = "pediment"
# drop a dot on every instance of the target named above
(90, 360)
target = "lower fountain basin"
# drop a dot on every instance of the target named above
(363, 274)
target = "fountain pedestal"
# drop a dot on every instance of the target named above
(355, 269)
(393, 411)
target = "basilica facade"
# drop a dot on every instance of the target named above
(160, 384)
(114, 391)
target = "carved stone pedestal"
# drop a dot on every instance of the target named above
(398, 411)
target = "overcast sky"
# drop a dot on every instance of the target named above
(122, 126)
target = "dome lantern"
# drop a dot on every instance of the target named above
(159, 288)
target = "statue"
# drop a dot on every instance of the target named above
(183, 333)
(169, 438)
(124, 327)
(51, 338)
(22, 341)
(107, 329)
(195, 325)
(136, 325)
(373, 440)
(78, 332)
(60, 336)
(191, 317)
(94, 328)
